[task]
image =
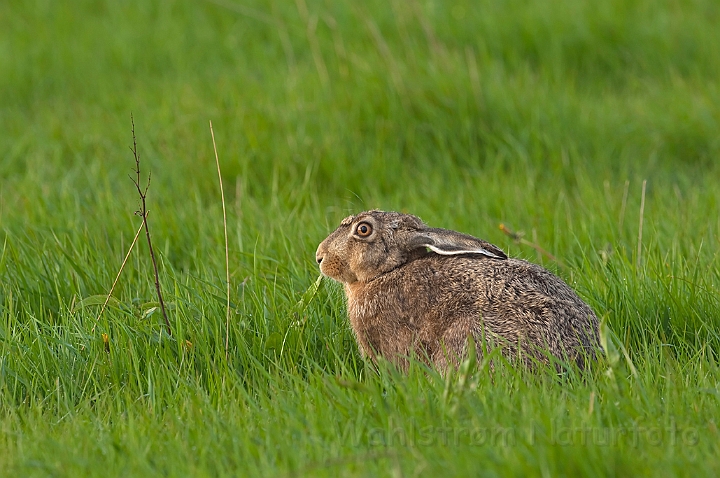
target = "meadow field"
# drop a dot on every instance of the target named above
(592, 128)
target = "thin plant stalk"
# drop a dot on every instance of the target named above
(117, 277)
(227, 255)
(640, 226)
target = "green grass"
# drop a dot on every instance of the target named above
(546, 116)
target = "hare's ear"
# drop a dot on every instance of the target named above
(451, 243)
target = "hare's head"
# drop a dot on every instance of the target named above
(372, 243)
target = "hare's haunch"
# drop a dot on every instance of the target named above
(416, 290)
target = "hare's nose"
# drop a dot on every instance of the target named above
(318, 259)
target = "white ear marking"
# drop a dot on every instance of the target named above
(445, 252)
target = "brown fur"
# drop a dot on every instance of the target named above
(415, 290)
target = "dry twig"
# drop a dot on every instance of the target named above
(143, 212)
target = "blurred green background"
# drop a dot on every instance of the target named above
(543, 115)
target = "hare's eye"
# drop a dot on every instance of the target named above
(364, 229)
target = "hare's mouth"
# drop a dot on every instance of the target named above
(333, 270)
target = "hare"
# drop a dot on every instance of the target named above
(413, 290)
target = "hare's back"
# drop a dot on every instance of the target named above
(519, 298)
(519, 277)
(514, 288)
